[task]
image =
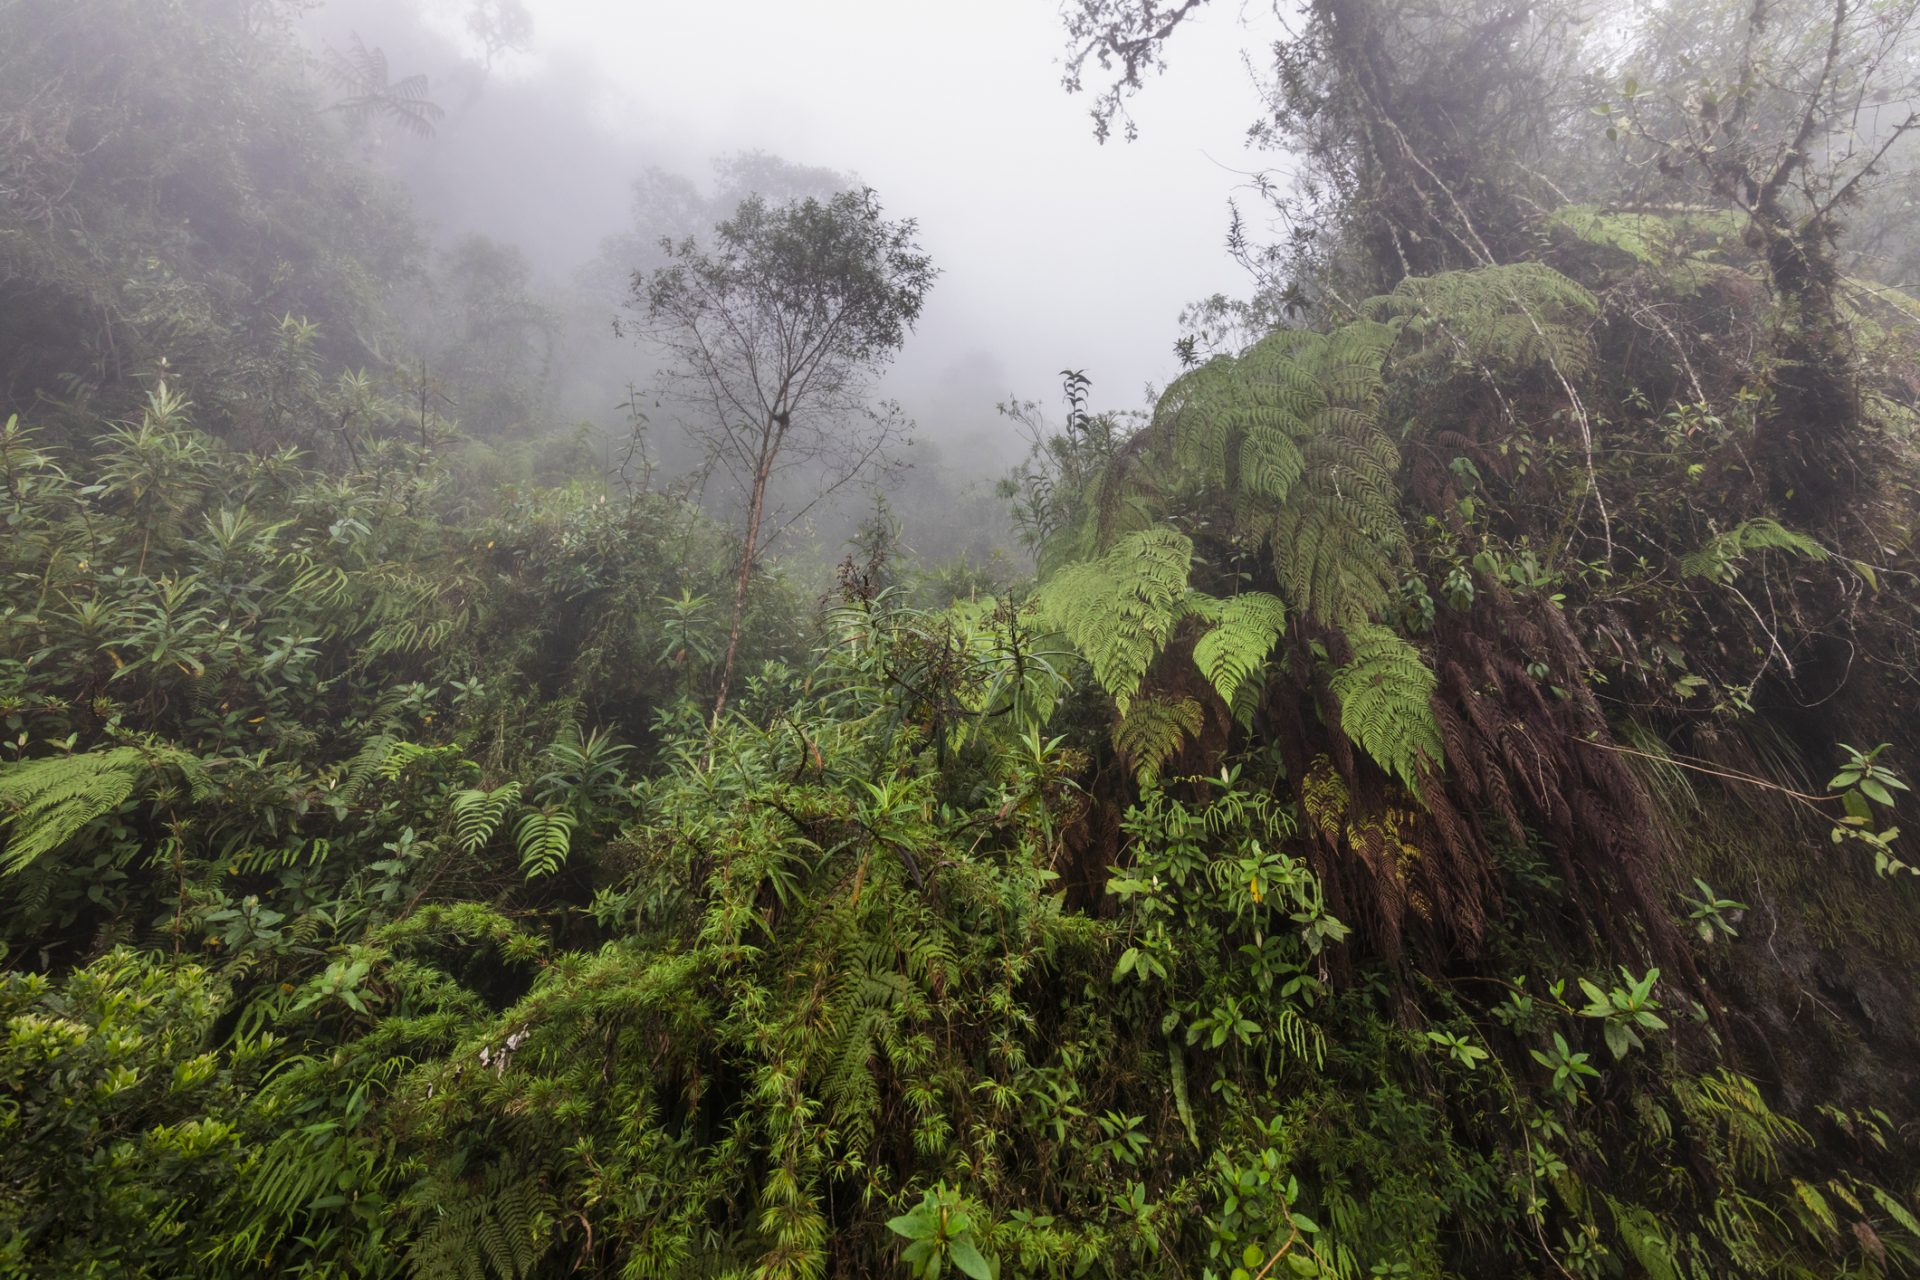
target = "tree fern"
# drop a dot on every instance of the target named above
(45, 803)
(1234, 649)
(1244, 423)
(1290, 432)
(1153, 729)
(1643, 237)
(1328, 564)
(1385, 706)
(1238, 422)
(1515, 317)
(376, 95)
(1119, 609)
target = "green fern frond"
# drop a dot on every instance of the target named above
(544, 839)
(400, 756)
(1516, 317)
(367, 764)
(1153, 729)
(1644, 238)
(500, 1230)
(1288, 435)
(1899, 1212)
(45, 803)
(1716, 560)
(1119, 609)
(1385, 697)
(1328, 566)
(477, 814)
(1244, 630)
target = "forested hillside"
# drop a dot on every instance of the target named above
(1428, 805)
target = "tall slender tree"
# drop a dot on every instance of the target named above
(775, 330)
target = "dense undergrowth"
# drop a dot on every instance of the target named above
(1434, 810)
(1355, 859)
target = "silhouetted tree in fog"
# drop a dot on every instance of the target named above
(775, 330)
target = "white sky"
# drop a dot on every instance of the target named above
(1056, 250)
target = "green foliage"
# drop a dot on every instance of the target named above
(939, 1234)
(122, 1113)
(380, 901)
(374, 95)
(1717, 560)
(1864, 783)
(477, 814)
(1152, 729)
(1287, 436)
(47, 802)
(1385, 694)
(1120, 609)
(751, 996)
(1234, 649)
(1624, 1011)
(1511, 318)
(544, 840)
(1645, 239)
(501, 1228)
(1566, 1067)
(173, 195)
(1713, 916)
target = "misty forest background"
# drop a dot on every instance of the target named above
(542, 745)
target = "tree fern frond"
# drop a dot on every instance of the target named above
(1152, 729)
(1514, 317)
(1236, 646)
(1385, 697)
(45, 803)
(1327, 565)
(1645, 238)
(1119, 609)
(1324, 796)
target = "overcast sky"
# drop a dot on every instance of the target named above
(1056, 250)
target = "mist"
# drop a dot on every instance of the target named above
(1056, 252)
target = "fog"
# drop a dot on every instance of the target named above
(1056, 251)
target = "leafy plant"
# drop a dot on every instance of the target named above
(1566, 1067)
(1625, 1010)
(1712, 915)
(939, 1234)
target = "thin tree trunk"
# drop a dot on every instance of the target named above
(756, 508)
